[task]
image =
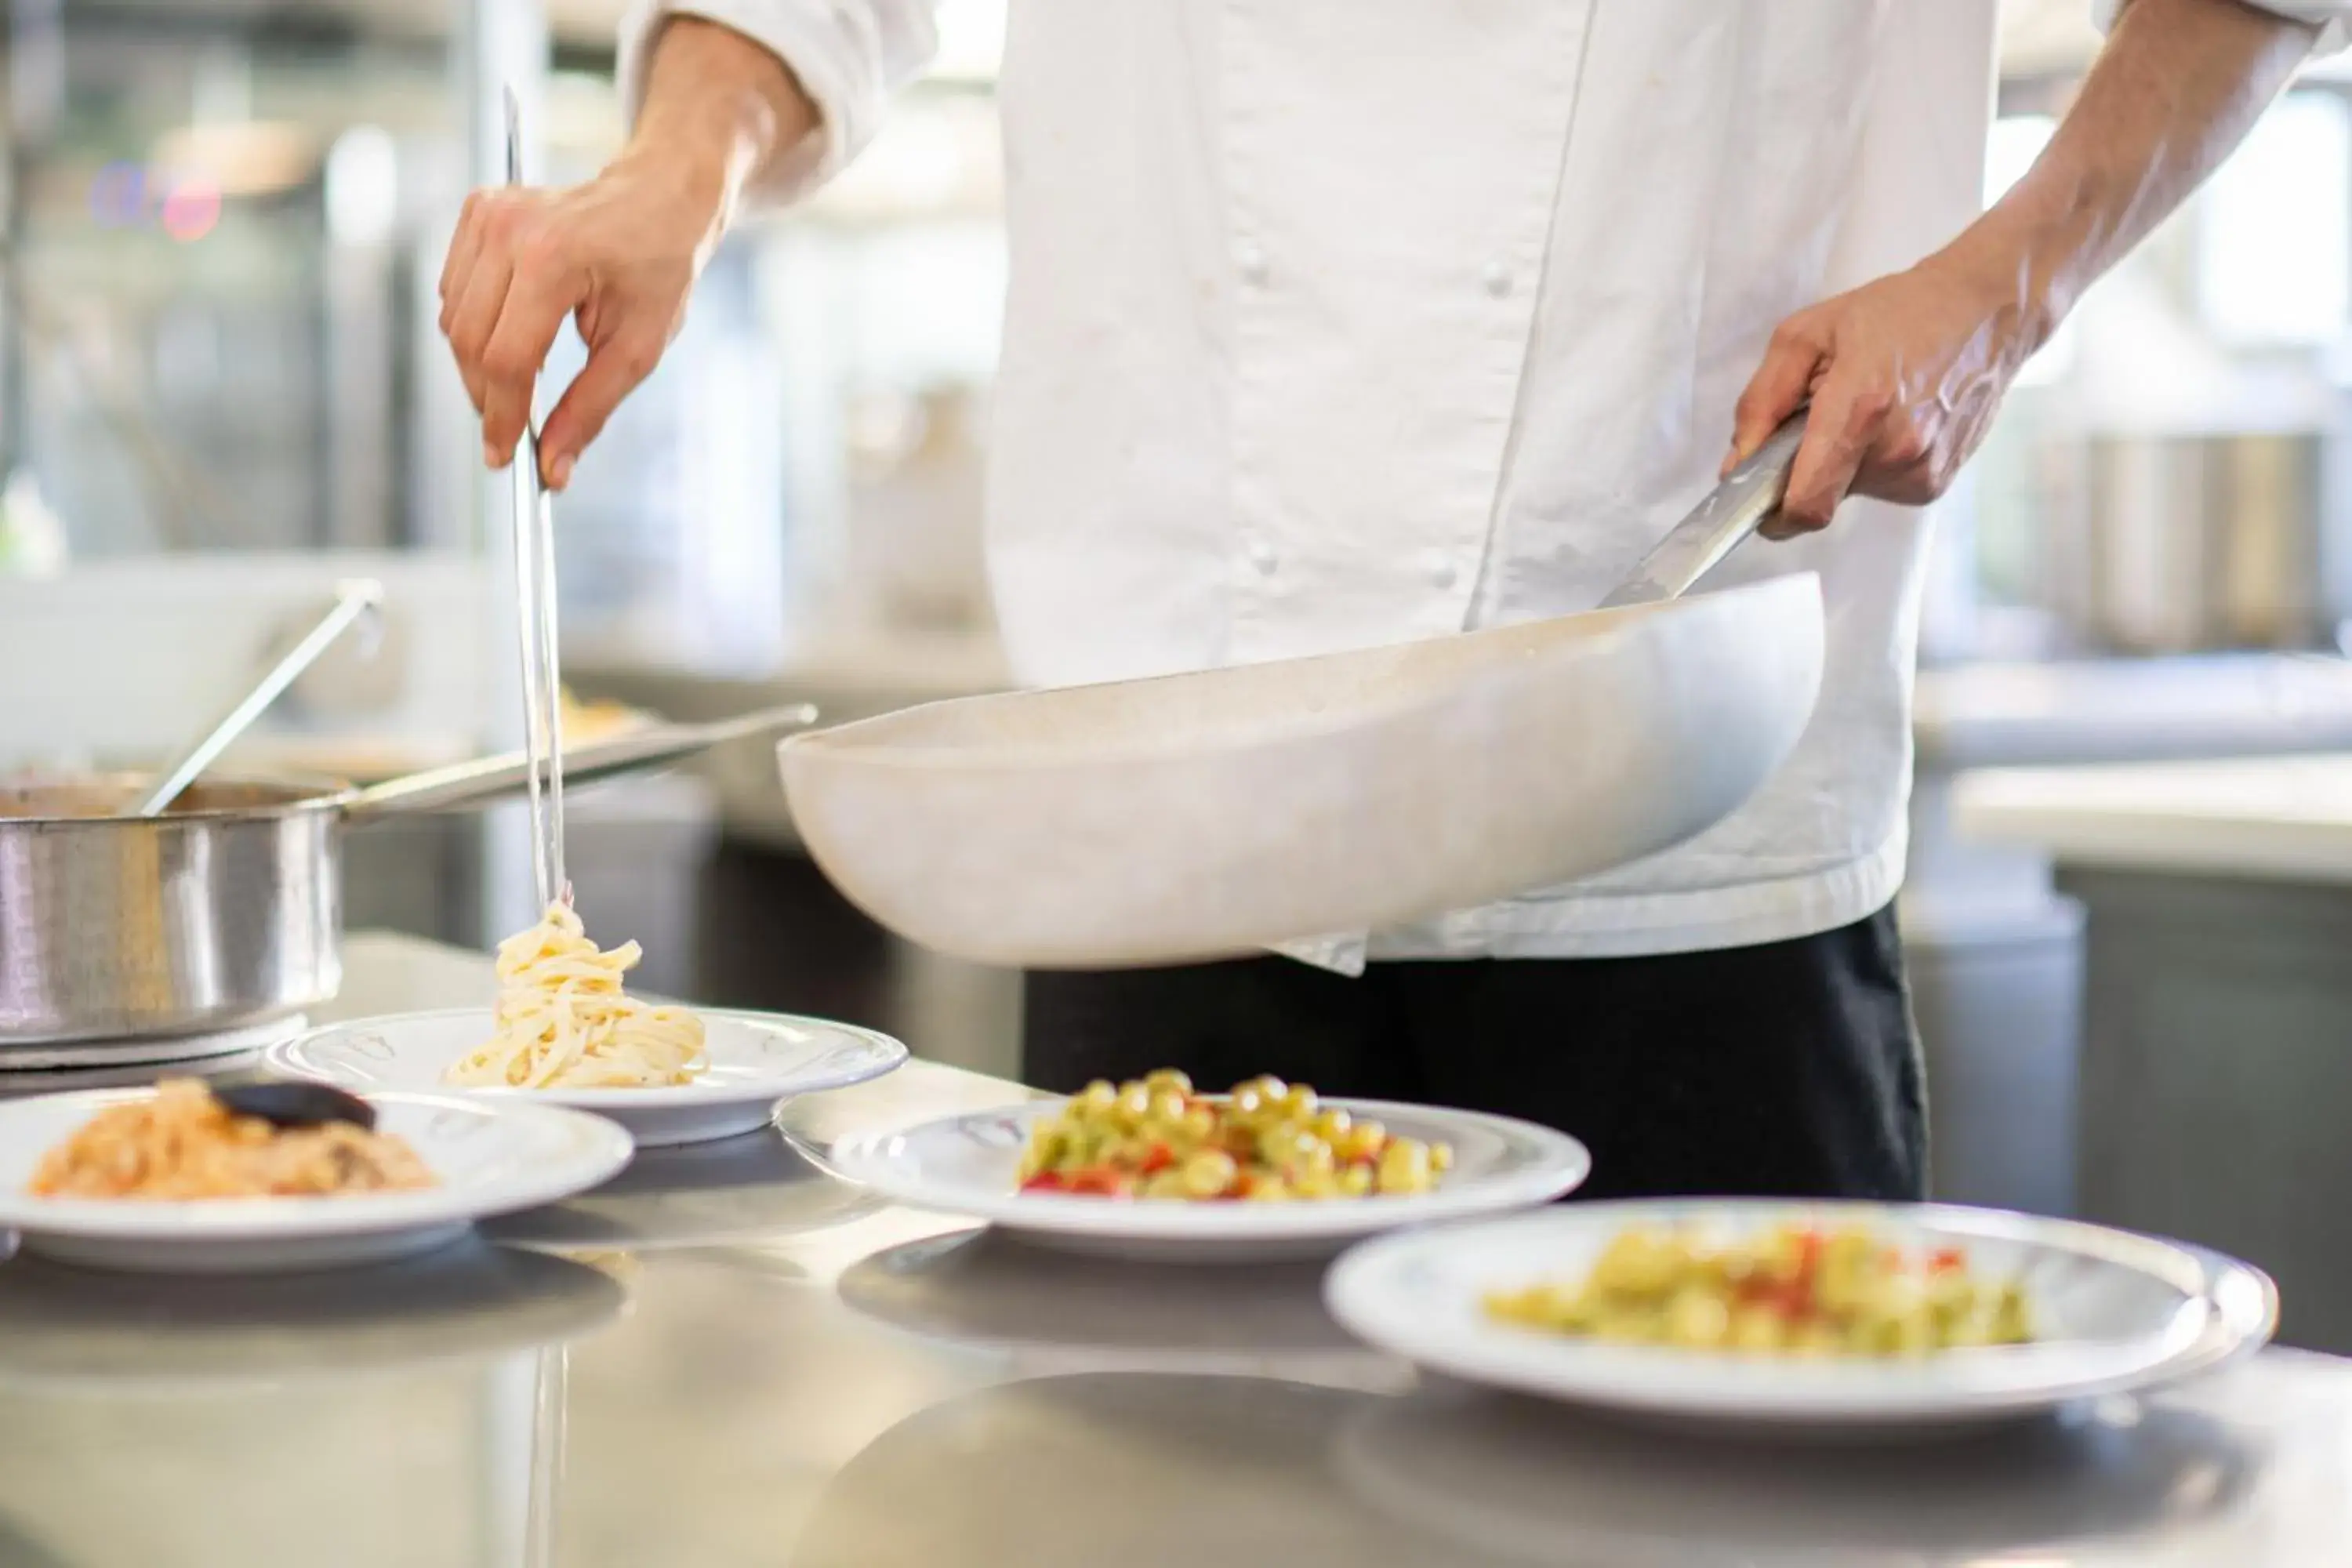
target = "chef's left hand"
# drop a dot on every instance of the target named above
(1903, 377)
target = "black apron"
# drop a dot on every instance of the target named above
(1790, 1069)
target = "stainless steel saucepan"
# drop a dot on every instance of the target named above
(225, 911)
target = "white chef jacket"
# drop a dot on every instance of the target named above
(1340, 322)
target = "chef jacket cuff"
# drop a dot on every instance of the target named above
(2333, 16)
(847, 58)
(1340, 954)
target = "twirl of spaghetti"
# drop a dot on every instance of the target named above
(563, 1022)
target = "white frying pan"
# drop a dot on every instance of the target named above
(1210, 814)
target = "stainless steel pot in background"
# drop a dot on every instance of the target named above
(227, 912)
(2188, 543)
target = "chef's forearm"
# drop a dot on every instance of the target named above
(719, 110)
(2174, 91)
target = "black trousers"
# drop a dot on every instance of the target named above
(1790, 1069)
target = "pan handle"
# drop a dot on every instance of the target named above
(1720, 524)
(489, 779)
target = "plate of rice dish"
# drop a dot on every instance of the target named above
(189, 1176)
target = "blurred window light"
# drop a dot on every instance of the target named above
(2016, 140)
(221, 90)
(972, 39)
(363, 187)
(2274, 231)
(248, 158)
(2014, 143)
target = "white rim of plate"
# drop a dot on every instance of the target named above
(603, 1148)
(2238, 1312)
(889, 1055)
(1554, 1163)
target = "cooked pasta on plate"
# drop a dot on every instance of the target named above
(562, 1019)
(668, 1075)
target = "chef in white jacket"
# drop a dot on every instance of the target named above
(1337, 323)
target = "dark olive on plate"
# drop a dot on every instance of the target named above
(297, 1104)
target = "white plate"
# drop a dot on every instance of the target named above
(758, 1060)
(2115, 1312)
(492, 1157)
(970, 1164)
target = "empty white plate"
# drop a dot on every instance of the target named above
(970, 1164)
(2114, 1313)
(491, 1157)
(758, 1060)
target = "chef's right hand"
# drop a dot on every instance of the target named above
(620, 253)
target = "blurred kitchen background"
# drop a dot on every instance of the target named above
(221, 388)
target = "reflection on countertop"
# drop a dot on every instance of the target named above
(1516, 1482)
(1150, 1468)
(747, 1188)
(1057, 1312)
(74, 1330)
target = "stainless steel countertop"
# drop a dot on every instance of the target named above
(728, 1359)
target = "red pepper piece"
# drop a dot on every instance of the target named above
(1098, 1181)
(1809, 1267)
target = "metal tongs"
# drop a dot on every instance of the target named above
(542, 692)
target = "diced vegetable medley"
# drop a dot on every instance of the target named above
(1791, 1290)
(1265, 1142)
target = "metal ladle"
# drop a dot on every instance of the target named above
(355, 602)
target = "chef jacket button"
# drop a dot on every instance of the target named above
(1261, 555)
(1251, 260)
(1496, 279)
(1442, 571)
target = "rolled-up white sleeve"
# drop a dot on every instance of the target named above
(2333, 17)
(849, 56)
